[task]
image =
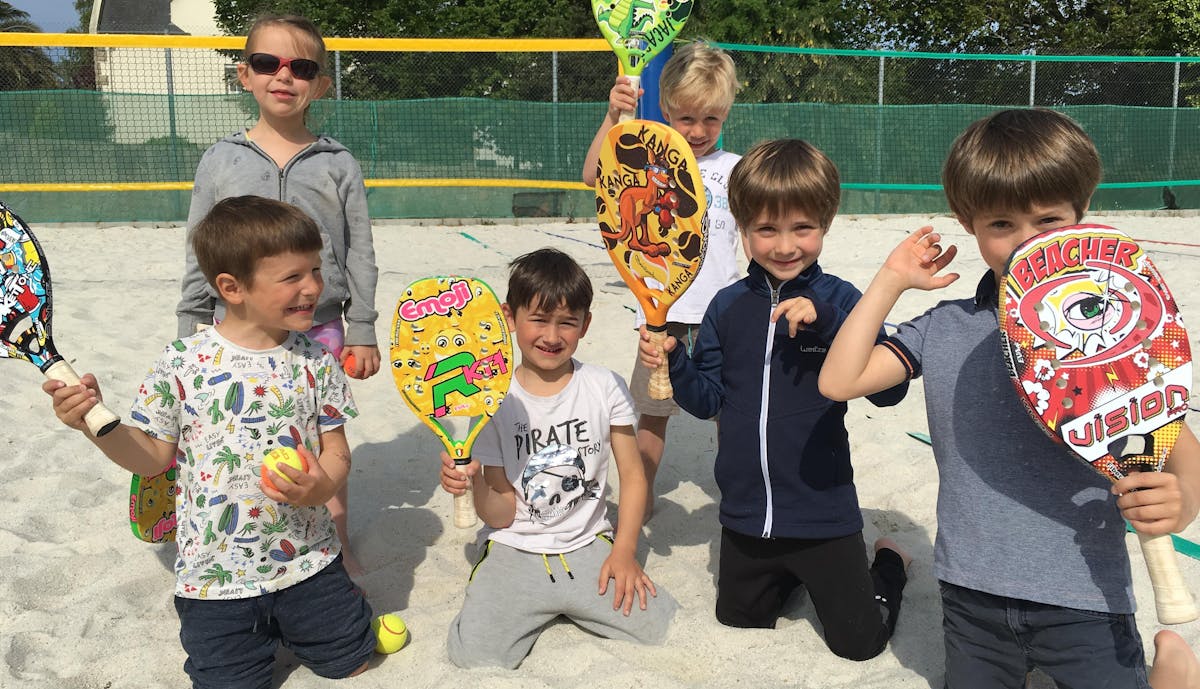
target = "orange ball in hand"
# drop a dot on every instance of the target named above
(349, 364)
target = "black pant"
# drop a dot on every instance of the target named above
(857, 606)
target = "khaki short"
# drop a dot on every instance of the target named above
(640, 380)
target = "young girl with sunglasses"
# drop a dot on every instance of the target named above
(280, 158)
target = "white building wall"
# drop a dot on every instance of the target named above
(148, 75)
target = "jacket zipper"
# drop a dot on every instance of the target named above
(284, 170)
(762, 418)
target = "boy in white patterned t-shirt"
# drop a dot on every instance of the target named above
(550, 547)
(257, 565)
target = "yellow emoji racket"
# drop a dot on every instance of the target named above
(451, 356)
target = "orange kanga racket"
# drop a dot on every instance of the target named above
(1098, 353)
(651, 206)
(452, 361)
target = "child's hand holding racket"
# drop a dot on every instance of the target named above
(457, 478)
(1152, 502)
(649, 352)
(622, 99)
(73, 402)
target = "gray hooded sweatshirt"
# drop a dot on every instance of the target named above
(325, 181)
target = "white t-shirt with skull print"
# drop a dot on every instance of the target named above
(555, 451)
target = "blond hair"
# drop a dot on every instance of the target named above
(698, 75)
(300, 26)
(784, 175)
(1013, 159)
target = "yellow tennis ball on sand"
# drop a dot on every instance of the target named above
(390, 633)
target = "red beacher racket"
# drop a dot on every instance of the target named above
(1098, 353)
(651, 205)
(25, 306)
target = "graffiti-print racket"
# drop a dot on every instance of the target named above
(451, 356)
(638, 30)
(1097, 351)
(25, 307)
(651, 206)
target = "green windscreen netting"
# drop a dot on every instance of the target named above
(491, 131)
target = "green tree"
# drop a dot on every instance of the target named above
(780, 78)
(78, 68)
(1087, 27)
(23, 67)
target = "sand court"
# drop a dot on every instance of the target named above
(86, 605)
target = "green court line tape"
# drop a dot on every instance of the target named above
(920, 436)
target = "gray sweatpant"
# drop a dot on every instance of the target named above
(513, 594)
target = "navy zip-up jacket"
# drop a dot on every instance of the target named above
(783, 457)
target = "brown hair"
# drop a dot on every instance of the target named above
(698, 75)
(782, 175)
(241, 230)
(548, 278)
(1014, 159)
(297, 24)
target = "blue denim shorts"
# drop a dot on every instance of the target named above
(993, 642)
(325, 620)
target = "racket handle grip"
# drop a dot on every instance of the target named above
(636, 82)
(464, 505)
(659, 386)
(99, 419)
(1172, 600)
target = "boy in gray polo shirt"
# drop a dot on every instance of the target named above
(1030, 549)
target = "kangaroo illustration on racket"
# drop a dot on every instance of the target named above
(637, 203)
(650, 205)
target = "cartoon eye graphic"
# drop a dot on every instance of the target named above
(1088, 311)
(442, 341)
(460, 340)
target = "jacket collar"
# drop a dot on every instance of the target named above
(986, 292)
(760, 281)
(323, 142)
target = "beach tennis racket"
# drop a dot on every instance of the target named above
(651, 205)
(1098, 353)
(451, 356)
(638, 30)
(152, 506)
(25, 306)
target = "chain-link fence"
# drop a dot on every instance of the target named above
(493, 128)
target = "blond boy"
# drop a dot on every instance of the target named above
(696, 88)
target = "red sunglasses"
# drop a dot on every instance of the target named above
(301, 68)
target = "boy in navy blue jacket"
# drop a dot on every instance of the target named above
(789, 511)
